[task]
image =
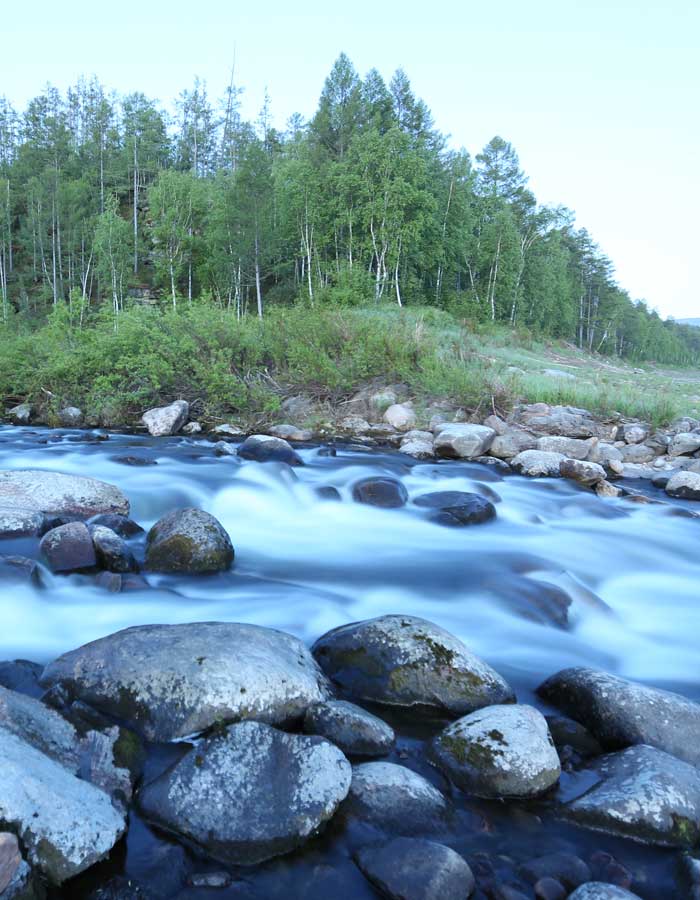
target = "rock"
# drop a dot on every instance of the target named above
(684, 486)
(134, 461)
(380, 401)
(567, 732)
(387, 493)
(510, 443)
(418, 449)
(299, 408)
(353, 729)
(436, 421)
(223, 448)
(192, 428)
(65, 824)
(457, 508)
(353, 425)
(10, 859)
(219, 794)
(400, 416)
(635, 432)
(641, 793)
(57, 494)
(166, 420)
(604, 454)
(68, 548)
(121, 525)
(568, 869)
(632, 470)
(588, 474)
(463, 441)
(538, 463)
(395, 798)
(20, 522)
(20, 569)
(417, 435)
(574, 448)
(607, 490)
(409, 662)
(228, 431)
(188, 540)
(111, 551)
(291, 433)
(558, 420)
(170, 681)
(266, 448)
(637, 453)
(413, 869)
(497, 424)
(20, 414)
(499, 752)
(599, 890)
(619, 712)
(21, 675)
(549, 889)
(71, 417)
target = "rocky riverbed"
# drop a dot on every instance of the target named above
(269, 669)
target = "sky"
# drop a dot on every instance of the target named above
(600, 99)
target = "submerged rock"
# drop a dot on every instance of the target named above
(457, 508)
(58, 494)
(499, 752)
(387, 493)
(463, 441)
(250, 793)
(171, 681)
(188, 540)
(353, 729)
(166, 420)
(68, 548)
(266, 448)
(409, 662)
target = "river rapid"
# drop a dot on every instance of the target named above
(560, 578)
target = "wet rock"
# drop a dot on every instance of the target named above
(21, 675)
(171, 681)
(166, 420)
(188, 540)
(10, 859)
(327, 492)
(394, 798)
(606, 490)
(499, 752)
(588, 474)
(291, 433)
(121, 525)
(387, 493)
(414, 869)
(568, 733)
(499, 466)
(457, 508)
(223, 448)
(353, 729)
(463, 441)
(57, 494)
(684, 444)
(637, 453)
(568, 869)
(137, 461)
(684, 486)
(689, 876)
(111, 551)
(219, 794)
(266, 448)
(192, 428)
(20, 522)
(71, 417)
(619, 712)
(538, 463)
(574, 448)
(641, 793)
(511, 443)
(400, 416)
(20, 569)
(599, 890)
(68, 548)
(409, 662)
(65, 824)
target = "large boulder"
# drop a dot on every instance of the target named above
(684, 486)
(619, 712)
(413, 869)
(166, 420)
(463, 441)
(574, 448)
(457, 508)
(68, 548)
(499, 752)
(684, 444)
(637, 453)
(267, 448)
(189, 540)
(634, 432)
(64, 824)
(58, 494)
(353, 729)
(409, 662)
(508, 444)
(640, 793)
(538, 463)
(387, 493)
(20, 522)
(170, 681)
(250, 793)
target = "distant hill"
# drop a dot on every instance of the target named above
(695, 322)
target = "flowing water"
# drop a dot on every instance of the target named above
(627, 571)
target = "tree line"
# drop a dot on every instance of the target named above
(105, 199)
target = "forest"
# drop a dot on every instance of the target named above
(107, 202)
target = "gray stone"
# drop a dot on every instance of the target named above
(637, 453)
(267, 448)
(574, 448)
(636, 470)
(641, 793)
(400, 416)
(10, 859)
(499, 752)
(395, 798)
(600, 890)
(192, 428)
(68, 548)
(170, 681)
(20, 522)
(353, 425)
(221, 793)
(418, 449)
(568, 869)
(188, 540)
(228, 430)
(603, 454)
(463, 441)
(224, 448)
(538, 463)
(606, 490)
(684, 486)
(111, 550)
(457, 508)
(58, 494)
(291, 433)
(496, 423)
(20, 414)
(413, 869)
(511, 443)
(586, 473)
(353, 729)
(406, 661)
(634, 432)
(380, 401)
(619, 712)
(65, 824)
(299, 408)
(71, 417)
(121, 525)
(166, 420)
(387, 493)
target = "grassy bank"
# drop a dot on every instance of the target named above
(227, 368)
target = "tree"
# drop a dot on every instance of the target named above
(113, 252)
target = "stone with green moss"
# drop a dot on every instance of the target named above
(191, 541)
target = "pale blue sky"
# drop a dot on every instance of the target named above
(599, 98)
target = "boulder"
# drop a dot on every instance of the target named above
(409, 662)
(250, 793)
(227, 430)
(291, 433)
(619, 712)
(637, 453)
(21, 675)
(353, 729)
(496, 423)
(417, 448)
(170, 681)
(65, 824)
(508, 444)
(395, 798)
(20, 569)
(111, 550)
(380, 401)
(68, 548)
(574, 448)
(558, 420)
(267, 448)
(463, 441)
(601, 890)
(499, 752)
(606, 490)
(586, 473)
(166, 420)
(684, 486)
(569, 870)
(57, 494)
(71, 417)
(634, 432)
(640, 793)
(20, 414)
(400, 416)
(121, 525)
(538, 463)
(457, 508)
(20, 522)
(413, 869)
(224, 448)
(387, 493)
(604, 454)
(192, 428)
(188, 540)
